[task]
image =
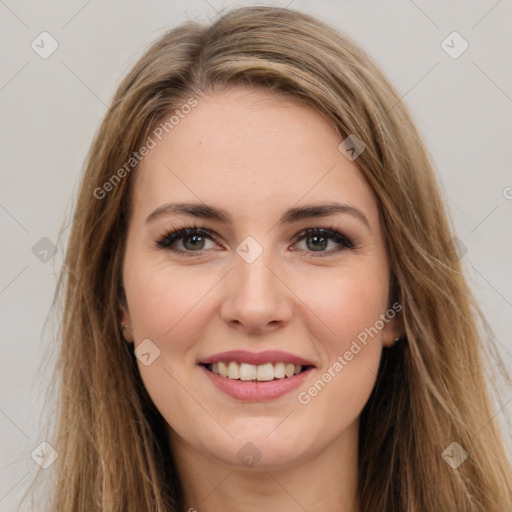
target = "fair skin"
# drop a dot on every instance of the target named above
(256, 155)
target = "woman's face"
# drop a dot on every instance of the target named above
(252, 282)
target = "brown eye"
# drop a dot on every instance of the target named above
(317, 240)
(192, 239)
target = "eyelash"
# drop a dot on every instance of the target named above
(166, 240)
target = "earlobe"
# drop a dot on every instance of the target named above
(388, 343)
(126, 327)
(126, 333)
(393, 331)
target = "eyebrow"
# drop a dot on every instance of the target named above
(204, 211)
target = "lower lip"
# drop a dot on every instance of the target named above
(256, 391)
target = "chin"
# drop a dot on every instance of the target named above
(266, 450)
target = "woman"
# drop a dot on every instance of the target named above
(321, 349)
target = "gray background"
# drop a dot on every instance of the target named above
(51, 108)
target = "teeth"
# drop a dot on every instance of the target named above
(279, 371)
(260, 372)
(247, 371)
(234, 370)
(223, 370)
(265, 371)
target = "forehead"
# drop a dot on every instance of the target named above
(248, 151)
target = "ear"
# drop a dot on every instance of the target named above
(394, 326)
(126, 322)
(394, 323)
(126, 326)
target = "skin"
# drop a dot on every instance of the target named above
(255, 155)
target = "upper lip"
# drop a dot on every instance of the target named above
(256, 358)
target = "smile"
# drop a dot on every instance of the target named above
(258, 373)
(253, 389)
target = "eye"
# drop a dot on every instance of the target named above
(194, 238)
(317, 239)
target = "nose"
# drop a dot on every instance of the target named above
(257, 299)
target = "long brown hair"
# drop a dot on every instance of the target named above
(432, 388)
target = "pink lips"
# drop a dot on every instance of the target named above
(267, 356)
(256, 391)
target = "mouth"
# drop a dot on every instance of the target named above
(266, 372)
(256, 376)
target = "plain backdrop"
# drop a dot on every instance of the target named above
(51, 107)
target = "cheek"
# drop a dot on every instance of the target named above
(348, 304)
(350, 335)
(166, 308)
(163, 301)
